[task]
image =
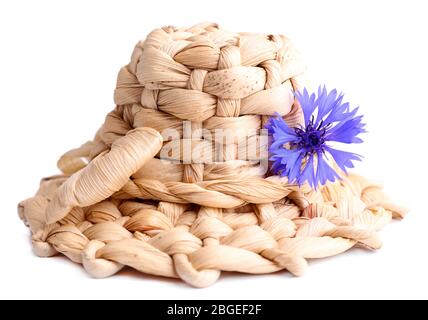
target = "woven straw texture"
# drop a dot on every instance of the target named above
(118, 204)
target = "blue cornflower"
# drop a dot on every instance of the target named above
(301, 153)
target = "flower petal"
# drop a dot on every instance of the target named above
(343, 158)
(346, 131)
(308, 173)
(325, 104)
(294, 170)
(307, 103)
(324, 171)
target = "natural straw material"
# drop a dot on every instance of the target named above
(120, 203)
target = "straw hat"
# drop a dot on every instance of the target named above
(177, 182)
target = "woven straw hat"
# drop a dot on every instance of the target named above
(160, 190)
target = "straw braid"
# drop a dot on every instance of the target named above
(168, 240)
(118, 204)
(214, 193)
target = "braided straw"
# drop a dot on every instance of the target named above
(133, 196)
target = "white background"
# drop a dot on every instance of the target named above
(58, 67)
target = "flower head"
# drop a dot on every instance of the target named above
(302, 153)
